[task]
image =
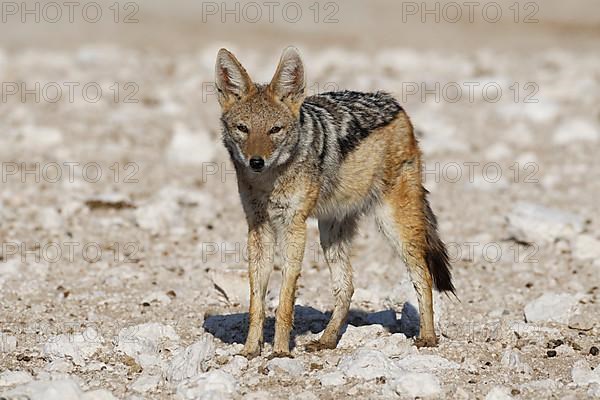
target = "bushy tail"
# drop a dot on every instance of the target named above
(436, 254)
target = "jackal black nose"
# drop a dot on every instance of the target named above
(257, 163)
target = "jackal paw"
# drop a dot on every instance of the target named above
(280, 354)
(317, 345)
(250, 353)
(428, 341)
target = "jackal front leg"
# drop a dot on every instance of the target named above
(292, 248)
(261, 244)
(336, 237)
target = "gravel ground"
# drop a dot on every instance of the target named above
(122, 270)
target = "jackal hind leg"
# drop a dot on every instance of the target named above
(336, 237)
(402, 220)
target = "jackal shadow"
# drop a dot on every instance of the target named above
(233, 328)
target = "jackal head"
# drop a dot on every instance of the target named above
(260, 122)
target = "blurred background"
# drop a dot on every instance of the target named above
(179, 25)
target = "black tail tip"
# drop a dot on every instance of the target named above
(439, 267)
(436, 254)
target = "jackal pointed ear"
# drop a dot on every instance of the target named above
(232, 81)
(288, 83)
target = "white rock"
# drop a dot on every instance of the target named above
(583, 375)
(159, 215)
(59, 365)
(8, 343)
(157, 297)
(335, 378)
(367, 364)
(532, 223)
(303, 396)
(209, 385)
(461, 394)
(425, 363)
(392, 345)
(236, 365)
(143, 342)
(551, 307)
(192, 360)
(164, 212)
(356, 336)
(258, 395)
(565, 350)
(12, 378)
(77, 347)
(40, 136)
(421, 385)
(189, 147)
(550, 180)
(49, 218)
(541, 112)
(439, 134)
(576, 130)
(60, 389)
(286, 365)
(511, 359)
(95, 366)
(234, 283)
(100, 394)
(519, 133)
(544, 384)
(498, 151)
(366, 296)
(525, 329)
(488, 181)
(594, 390)
(586, 247)
(582, 321)
(325, 61)
(498, 393)
(526, 161)
(9, 270)
(108, 198)
(145, 383)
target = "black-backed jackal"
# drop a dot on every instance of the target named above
(333, 156)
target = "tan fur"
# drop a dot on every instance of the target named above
(258, 144)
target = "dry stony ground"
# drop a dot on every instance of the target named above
(132, 284)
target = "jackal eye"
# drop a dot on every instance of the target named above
(242, 128)
(274, 129)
